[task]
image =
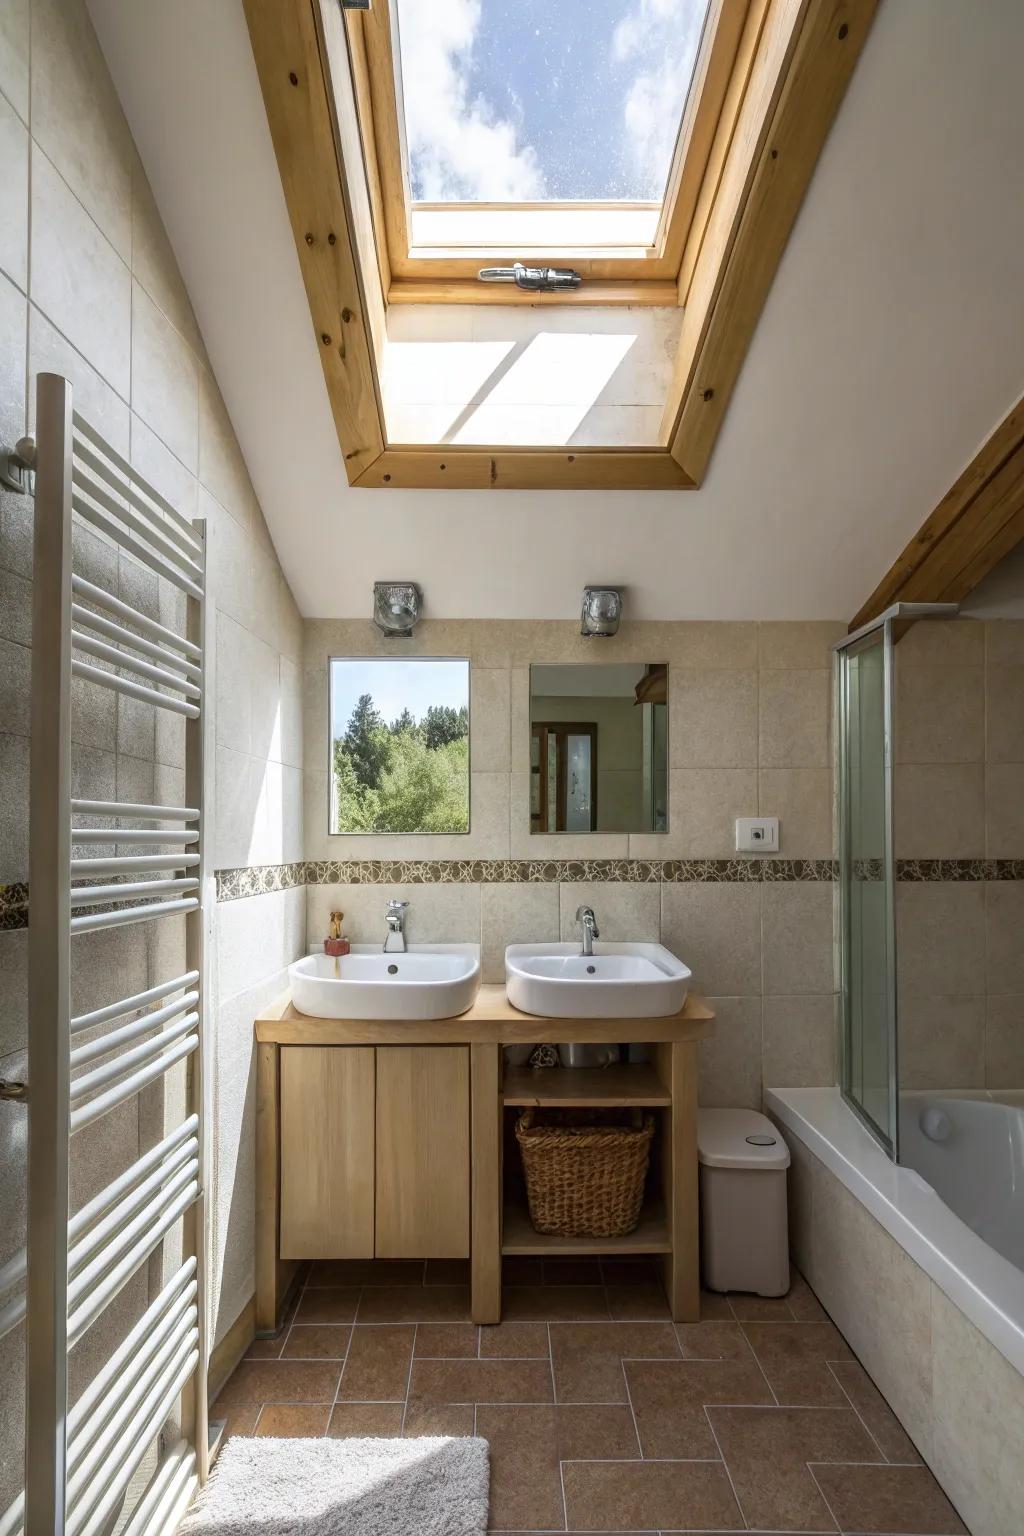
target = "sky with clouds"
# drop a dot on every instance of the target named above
(526, 100)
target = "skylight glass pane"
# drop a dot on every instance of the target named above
(512, 101)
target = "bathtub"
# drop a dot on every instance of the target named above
(955, 1204)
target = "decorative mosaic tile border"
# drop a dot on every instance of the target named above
(259, 880)
(13, 906)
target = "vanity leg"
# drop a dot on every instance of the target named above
(682, 1265)
(273, 1277)
(485, 1183)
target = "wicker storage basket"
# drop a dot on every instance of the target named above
(585, 1179)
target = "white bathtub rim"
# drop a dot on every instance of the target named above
(987, 1288)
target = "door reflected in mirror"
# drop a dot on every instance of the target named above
(599, 748)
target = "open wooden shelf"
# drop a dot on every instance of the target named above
(625, 1086)
(519, 1237)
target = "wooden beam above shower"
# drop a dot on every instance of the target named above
(975, 525)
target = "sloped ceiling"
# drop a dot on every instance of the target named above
(891, 344)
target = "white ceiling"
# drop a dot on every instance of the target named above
(891, 344)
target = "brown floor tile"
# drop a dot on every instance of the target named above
(282, 1381)
(554, 1303)
(480, 1381)
(713, 1341)
(514, 1341)
(893, 1500)
(377, 1365)
(641, 1495)
(415, 1304)
(239, 1419)
(289, 1420)
(354, 1420)
(518, 1269)
(668, 1398)
(593, 1432)
(447, 1272)
(331, 1272)
(447, 1341)
(316, 1341)
(588, 1357)
(803, 1303)
(330, 1304)
(572, 1272)
(266, 1349)
(439, 1419)
(714, 1307)
(896, 1444)
(767, 1451)
(646, 1300)
(760, 1309)
(803, 1383)
(797, 1341)
(526, 1485)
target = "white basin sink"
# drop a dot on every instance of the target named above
(428, 981)
(618, 981)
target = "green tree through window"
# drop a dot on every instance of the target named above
(407, 776)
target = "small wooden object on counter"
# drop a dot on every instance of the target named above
(435, 1164)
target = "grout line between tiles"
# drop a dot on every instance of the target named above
(408, 1378)
(725, 1464)
(632, 1411)
(867, 1428)
(821, 1492)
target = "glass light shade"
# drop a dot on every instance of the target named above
(396, 607)
(602, 610)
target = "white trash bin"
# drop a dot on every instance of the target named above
(744, 1230)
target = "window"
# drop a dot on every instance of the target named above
(399, 743)
(577, 133)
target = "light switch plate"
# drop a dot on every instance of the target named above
(757, 834)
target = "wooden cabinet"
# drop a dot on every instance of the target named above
(374, 1152)
(327, 1139)
(422, 1152)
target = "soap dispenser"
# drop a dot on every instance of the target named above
(335, 944)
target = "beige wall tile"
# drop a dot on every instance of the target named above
(802, 800)
(230, 562)
(14, 177)
(153, 263)
(939, 810)
(78, 278)
(519, 721)
(978, 1412)
(14, 760)
(438, 914)
(519, 913)
(793, 716)
(15, 550)
(942, 643)
(164, 385)
(15, 687)
(1004, 936)
(730, 1060)
(77, 118)
(715, 645)
(166, 474)
(942, 1042)
(798, 646)
(489, 700)
(624, 911)
(800, 1040)
(1004, 714)
(713, 718)
(14, 34)
(49, 352)
(1004, 640)
(13, 994)
(1004, 811)
(940, 938)
(715, 929)
(703, 804)
(940, 714)
(797, 933)
(222, 468)
(1004, 1041)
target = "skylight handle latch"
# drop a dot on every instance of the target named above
(533, 279)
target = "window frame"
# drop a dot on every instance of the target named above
(376, 76)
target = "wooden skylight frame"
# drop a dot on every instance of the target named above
(791, 66)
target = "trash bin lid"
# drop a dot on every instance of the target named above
(739, 1138)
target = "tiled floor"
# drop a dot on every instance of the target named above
(601, 1414)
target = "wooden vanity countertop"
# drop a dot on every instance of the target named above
(491, 1020)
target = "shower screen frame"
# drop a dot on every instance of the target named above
(882, 631)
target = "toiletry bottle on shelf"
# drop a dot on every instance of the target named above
(335, 944)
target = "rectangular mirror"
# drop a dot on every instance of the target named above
(599, 748)
(399, 743)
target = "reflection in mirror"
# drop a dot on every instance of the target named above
(399, 743)
(599, 748)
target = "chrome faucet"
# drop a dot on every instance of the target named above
(395, 916)
(588, 927)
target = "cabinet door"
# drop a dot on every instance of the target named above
(422, 1152)
(326, 1152)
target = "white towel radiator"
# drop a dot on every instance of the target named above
(86, 1466)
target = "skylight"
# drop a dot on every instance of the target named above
(525, 103)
